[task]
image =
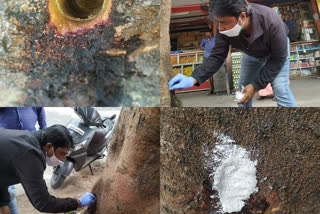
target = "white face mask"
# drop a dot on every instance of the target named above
(53, 160)
(235, 31)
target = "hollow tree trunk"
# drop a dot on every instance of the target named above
(130, 183)
(88, 52)
(167, 98)
(285, 142)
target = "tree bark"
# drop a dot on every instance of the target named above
(46, 59)
(285, 142)
(167, 98)
(130, 183)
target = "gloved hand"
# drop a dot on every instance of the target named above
(181, 81)
(87, 199)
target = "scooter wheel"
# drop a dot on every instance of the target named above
(57, 177)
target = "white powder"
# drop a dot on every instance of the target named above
(239, 96)
(234, 174)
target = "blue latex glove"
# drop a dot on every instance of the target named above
(87, 199)
(181, 81)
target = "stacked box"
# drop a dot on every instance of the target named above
(236, 65)
(190, 45)
(188, 40)
(176, 71)
(174, 60)
(187, 59)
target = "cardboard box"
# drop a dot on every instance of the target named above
(187, 59)
(176, 71)
(174, 60)
(187, 45)
(186, 39)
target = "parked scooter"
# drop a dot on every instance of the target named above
(91, 135)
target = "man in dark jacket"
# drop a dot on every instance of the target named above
(23, 158)
(21, 118)
(261, 34)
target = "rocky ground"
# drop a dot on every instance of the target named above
(74, 186)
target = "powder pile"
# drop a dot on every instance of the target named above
(234, 174)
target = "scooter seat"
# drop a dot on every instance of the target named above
(98, 142)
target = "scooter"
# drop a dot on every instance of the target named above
(91, 135)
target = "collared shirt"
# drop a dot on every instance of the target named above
(268, 38)
(22, 118)
(207, 46)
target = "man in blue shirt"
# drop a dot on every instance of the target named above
(207, 44)
(21, 118)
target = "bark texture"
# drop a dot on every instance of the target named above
(109, 61)
(167, 98)
(131, 179)
(285, 142)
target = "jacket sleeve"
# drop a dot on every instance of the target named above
(213, 63)
(279, 54)
(29, 169)
(41, 118)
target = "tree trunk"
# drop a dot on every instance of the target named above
(130, 183)
(285, 143)
(59, 57)
(167, 98)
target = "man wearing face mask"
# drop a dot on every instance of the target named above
(21, 118)
(261, 34)
(23, 157)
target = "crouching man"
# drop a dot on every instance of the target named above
(23, 158)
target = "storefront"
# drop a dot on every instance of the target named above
(190, 22)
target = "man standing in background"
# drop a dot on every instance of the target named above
(207, 44)
(21, 118)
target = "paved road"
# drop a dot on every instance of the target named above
(304, 90)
